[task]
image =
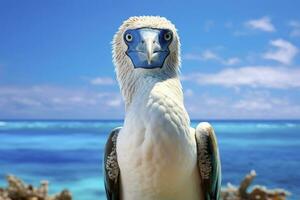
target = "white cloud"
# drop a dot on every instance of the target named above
(208, 25)
(188, 92)
(231, 61)
(252, 76)
(284, 52)
(58, 102)
(207, 55)
(102, 81)
(251, 104)
(263, 24)
(295, 25)
(262, 102)
(116, 102)
(295, 33)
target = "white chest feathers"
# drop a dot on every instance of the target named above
(157, 149)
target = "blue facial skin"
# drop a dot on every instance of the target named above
(148, 48)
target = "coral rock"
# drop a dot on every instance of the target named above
(18, 190)
(257, 193)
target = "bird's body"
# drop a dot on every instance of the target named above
(156, 155)
(159, 161)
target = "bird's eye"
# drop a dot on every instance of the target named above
(128, 37)
(168, 36)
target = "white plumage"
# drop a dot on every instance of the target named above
(156, 148)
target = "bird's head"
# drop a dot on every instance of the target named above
(146, 42)
(145, 45)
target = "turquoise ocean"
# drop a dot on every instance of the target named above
(69, 153)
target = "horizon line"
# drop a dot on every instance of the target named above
(199, 119)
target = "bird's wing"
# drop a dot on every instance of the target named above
(208, 161)
(111, 168)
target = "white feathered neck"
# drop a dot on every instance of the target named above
(131, 79)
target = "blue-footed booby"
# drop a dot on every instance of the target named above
(156, 155)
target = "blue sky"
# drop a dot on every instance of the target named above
(239, 59)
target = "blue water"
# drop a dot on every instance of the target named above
(69, 153)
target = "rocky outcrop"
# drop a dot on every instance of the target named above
(18, 190)
(258, 192)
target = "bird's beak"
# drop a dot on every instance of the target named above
(149, 49)
(150, 45)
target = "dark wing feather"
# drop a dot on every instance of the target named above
(111, 168)
(208, 161)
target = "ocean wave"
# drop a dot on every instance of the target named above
(252, 127)
(2, 123)
(269, 125)
(20, 125)
(291, 125)
(71, 125)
